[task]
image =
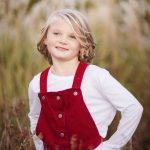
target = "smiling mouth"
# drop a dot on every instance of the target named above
(62, 48)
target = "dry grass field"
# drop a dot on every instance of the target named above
(121, 29)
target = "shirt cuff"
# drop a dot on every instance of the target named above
(38, 143)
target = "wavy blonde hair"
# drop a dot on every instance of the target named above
(81, 30)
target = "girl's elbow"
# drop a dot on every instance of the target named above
(139, 109)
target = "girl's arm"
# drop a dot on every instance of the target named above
(131, 112)
(35, 107)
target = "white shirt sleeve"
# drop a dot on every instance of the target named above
(35, 107)
(131, 112)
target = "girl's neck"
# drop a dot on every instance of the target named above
(64, 68)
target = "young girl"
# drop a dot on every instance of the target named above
(73, 102)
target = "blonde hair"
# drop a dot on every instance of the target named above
(81, 30)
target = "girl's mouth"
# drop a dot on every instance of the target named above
(62, 48)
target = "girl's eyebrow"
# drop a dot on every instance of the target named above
(55, 29)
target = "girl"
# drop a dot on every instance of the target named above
(73, 102)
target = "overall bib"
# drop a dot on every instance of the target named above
(64, 115)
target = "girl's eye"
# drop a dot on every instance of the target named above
(55, 33)
(72, 36)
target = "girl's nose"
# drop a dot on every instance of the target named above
(63, 40)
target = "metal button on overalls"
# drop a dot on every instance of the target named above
(59, 122)
(59, 116)
(62, 134)
(43, 97)
(58, 98)
(75, 93)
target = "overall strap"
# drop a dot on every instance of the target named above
(79, 75)
(43, 80)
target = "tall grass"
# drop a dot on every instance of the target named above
(122, 32)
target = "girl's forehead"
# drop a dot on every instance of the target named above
(58, 21)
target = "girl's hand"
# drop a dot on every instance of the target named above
(74, 142)
(78, 144)
(40, 136)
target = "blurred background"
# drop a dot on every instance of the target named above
(121, 29)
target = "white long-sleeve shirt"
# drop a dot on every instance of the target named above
(103, 96)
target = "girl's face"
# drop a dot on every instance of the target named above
(61, 41)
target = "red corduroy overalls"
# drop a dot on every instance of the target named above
(64, 115)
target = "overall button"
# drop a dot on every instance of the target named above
(62, 134)
(58, 98)
(43, 97)
(75, 93)
(59, 115)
